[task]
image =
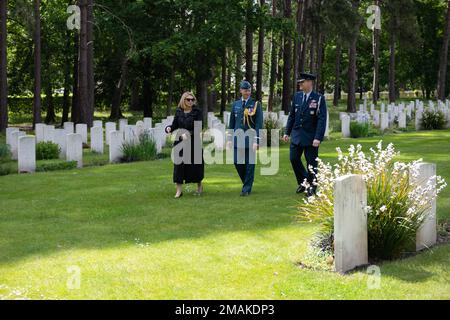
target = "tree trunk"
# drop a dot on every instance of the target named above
(202, 96)
(50, 116)
(75, 113)
(287, 57)
(376, 62)
(443, 65)
(116, 111)
(337, 73)
(249, 54)
(170, 93)
(223, 86)
(83, 85)
(66, 106)
(298, 43)
(3, 67)
(319, 62)
(135, 104)
(273, 62)
(238, 73)
(37, 63)
(351, 101)
(147, 99)
(90, 63)
(229, 96)
(259, 75)
(392, 93)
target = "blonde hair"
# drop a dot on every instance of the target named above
(182, 103)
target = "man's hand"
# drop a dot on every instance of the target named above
(316, 143)
(286, 138)
(255, 147)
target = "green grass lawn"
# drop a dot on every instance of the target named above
(121, 226)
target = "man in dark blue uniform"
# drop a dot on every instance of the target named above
(246, 117)
(306, 127)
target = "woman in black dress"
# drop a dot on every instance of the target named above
(186, 116)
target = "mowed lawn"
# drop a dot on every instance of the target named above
(131, 240)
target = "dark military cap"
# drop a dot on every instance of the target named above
(307, 76)
(245, 85)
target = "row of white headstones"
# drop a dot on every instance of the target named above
(71, 138)
(386, 118)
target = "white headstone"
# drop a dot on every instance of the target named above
(14, 143)
(345, 126)
(27, 154)
(147, 123)
(376, 118)
(384, 121)
(39, 132)
(418, 120)
(74, 148)
(69, 127)
(115, 146)
(350, 223)
(109, 126)
(9, 132)
(427, 234)
(122, 124)
(402, 120)
(98, 123)
(61, 140)
(49, 133)
(81, 129)
(97, 139)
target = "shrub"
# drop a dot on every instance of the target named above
(359, 130)
(433, 120)
(7, 168)
(47, 151)
(5, 153)
(144, 150)
(57, 166)
(397, 205)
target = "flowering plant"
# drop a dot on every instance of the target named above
(397, 202)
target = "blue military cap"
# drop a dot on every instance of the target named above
(307, 76)
(245, 85)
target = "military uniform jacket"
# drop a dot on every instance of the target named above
(255, 121)
(307, 121)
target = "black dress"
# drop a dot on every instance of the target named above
(188, 172)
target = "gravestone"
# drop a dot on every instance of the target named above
(9, 132)
(427, 234)
(69, 127)
(345, 126)
(148, 123)
(61, 140)
(81, 129)
(384, 121)
(98, 123)
(49, 134)
(109, 127)
(350, 223)
(402, 120)
(14, 143)
(39, 132)
(140, 129)
(27, 154)
(376, 118)
(327, 128)
(418, 120)
(74, 148)
(122, 124)
(115, 146)
(131, 135)
(97, 139)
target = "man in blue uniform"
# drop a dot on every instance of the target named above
(246, 115)
(306, 127)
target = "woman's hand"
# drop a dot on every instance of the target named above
(168, 130)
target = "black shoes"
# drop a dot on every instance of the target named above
(301, 189)
(245, 194)
(311, 192)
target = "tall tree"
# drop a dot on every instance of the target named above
(354, 34)
(376, 59)
(223, 83)
(90, 63)
(273, 60)
(37, 63)
(83, 85)
(259, 75)
(3, 68)
(287, 59)
(443, 65)
(337, 73)
(298, 42)
(249, 43)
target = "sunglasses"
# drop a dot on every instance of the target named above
(190, 100)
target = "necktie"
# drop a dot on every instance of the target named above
(243, 103)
